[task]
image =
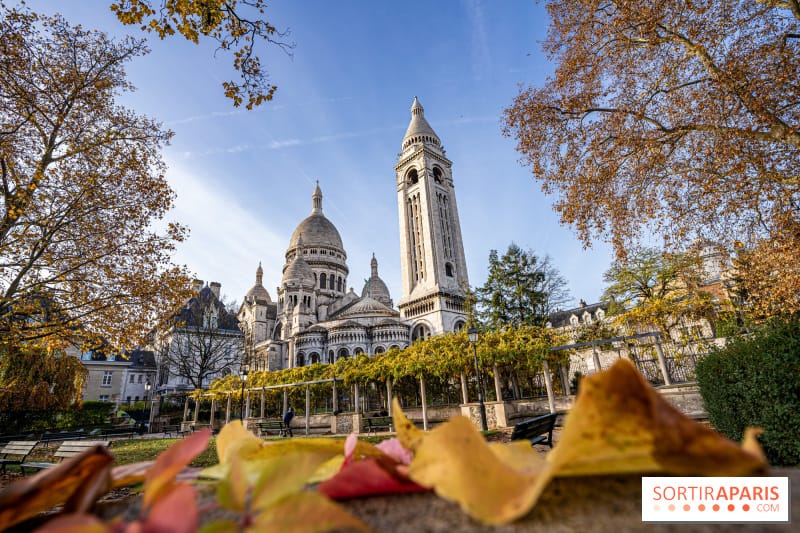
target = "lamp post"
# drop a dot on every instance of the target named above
(147, 387)
(472, 333)
(243, 374)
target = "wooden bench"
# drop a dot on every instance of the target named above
(173, 429)
(15, 452)
(5, 439)
(67, 449)
(377, 423)
(59, 436)
(273, 426)
(534, 429)
(127, 431)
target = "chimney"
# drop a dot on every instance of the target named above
(582, 303)
(215, 287)
(197, 285)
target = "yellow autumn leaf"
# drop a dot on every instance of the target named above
(408, 434)
(457, 463)
(327, 470)
(305, 512)
(281, 476)
(620, 424)
(234, 439)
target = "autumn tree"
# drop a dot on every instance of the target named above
(652, 288)
(236, 26)
(673, 118)
(203, 342)
(521, 289)
(84, 252)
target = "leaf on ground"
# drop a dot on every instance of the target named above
(456, 461)
(219, 526)
(161, 477)
(74, 523)
(517, 454)
(174, 511)
(620, 424)
(327, 470)
(305, 512)
(368, 477)
(232, 489)
(281, 476)
(76, 482)
(234, 439)
(408, 434)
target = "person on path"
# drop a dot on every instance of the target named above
(287, 421)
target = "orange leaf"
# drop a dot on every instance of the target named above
(620, 424)
(305, 512)
(74, 523)
(161, 477)
(76, 482)
(174, 511)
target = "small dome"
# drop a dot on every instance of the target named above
(374, 287)
(368, 306)
(298, 270)
(257, 292)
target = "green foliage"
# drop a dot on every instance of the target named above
(755, 381)
(90, 414)
(512, 294)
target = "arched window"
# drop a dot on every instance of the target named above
(420, 332)
(412, 176)
(448, 270)
(300, 360)
(322, 281)
(332, 283)
(459, 325)
(437, 174)
(343, 354)
(379, 349)
(330, 356)
(277, 334)
(313, 358)
(339, 284)
(358, 351)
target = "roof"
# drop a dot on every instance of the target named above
(316, 229)
(561, 318)
(418, 128)
(257, 292)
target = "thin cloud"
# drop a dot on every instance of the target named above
(479, 49)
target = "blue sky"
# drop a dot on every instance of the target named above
(244, 178)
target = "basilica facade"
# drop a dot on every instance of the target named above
(315, 319)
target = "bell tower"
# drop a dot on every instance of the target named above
(434, 270)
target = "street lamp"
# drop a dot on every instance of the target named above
(243, 374)
(472, 333)
(147, 387)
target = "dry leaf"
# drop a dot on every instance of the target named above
(305, 512)
(160, 478)
(408, 434)
(620, 424)
(76, 482)
(74, 523)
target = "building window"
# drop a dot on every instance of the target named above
(104, 397)
(129, 399)
(107, 376)
(448, 270)
(140, 377)
(131, 380)
(323, 279)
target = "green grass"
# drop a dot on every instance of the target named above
(138, 450)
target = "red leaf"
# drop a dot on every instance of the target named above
(175, 512)
(161, 477)
(369, 477)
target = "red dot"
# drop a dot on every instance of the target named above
(671, 507)
(731, 507)
(686, 507)
(716, 507)
(745, 507)
(656, 507)
(701, 507)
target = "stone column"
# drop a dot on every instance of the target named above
(596, 356)
(548, 383)
(263, 399)
(389, 395)
(497, 388)
(464, 395)
(211, 418)
(247, 404)
(285, 401)
(186, 409)
(356, 399)
(424, 403)
(564, 379)
(308, 410)
(662, 363)
(228, 410)
(196, 410)
(335, 398)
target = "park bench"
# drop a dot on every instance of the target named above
(15, 452)
(5, 439)
(67, 449)
(127, 431)
(173, 429)
(377, 423)
(534, 429)
(59, 436)
(273, 426)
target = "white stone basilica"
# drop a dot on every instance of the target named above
(315, 319)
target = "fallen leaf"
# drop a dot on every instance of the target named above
(76, 482)
(457, 463)
(408, 434)
(368, 477)
(234, 439)
(74, 523)
(281, 476)
(305, 512)
(620, 424)
(160, 478)
(174, 511)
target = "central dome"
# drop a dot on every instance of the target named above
(316, 229)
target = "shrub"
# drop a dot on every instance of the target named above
(89, 415)
(755, 381)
